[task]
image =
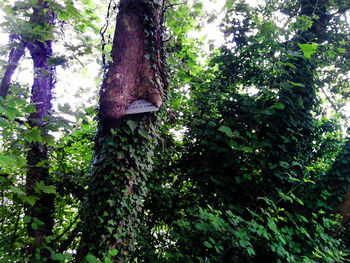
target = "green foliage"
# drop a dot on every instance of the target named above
(260, 172)
(247, 171)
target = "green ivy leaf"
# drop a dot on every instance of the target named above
(132, 124)
(144, 134)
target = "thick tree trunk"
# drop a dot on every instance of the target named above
(125, 144)
(37, 158)
(136, 71)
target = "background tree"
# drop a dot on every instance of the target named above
(41, 212)
(26, 136)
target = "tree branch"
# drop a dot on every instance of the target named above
(15, 56)
(14, 232)
(171, 5)
(71, 237)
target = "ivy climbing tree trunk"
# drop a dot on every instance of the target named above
(125, 143)
(41, 213)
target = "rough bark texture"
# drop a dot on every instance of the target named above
(15, 56)
(136, 71)
(124, 147)
(37, 156)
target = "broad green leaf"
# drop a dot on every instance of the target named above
(247, 149)
(20, 161)
(229, 4)
(34, 226)
(33, 135)
(7, 160)
(308, 49)
(38, 222)
(113, 252)
(91, 258)
(297, 84)
(26, 219)
(31, 199)
(3, 123)
(250, 251)
(49, 189)
(207, 244)
(63, 16)
(59, 256)
(17, 190)
(279, 106)
(226, 130)
(341, 50)
(72, 11)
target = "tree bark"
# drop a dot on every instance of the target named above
(136, 71)
(15, 56)
(125, 144)
(37, 156)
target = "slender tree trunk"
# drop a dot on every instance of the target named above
(38, 169)
(15, 56)
(125, 144)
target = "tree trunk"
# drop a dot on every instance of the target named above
(136, 71)
(37, 158)
(15, 56)
(125, 143)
